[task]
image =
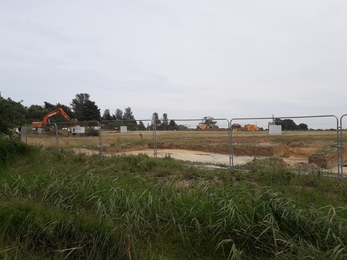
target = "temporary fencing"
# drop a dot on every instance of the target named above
(83, 128)
(340, 145)
(337, 129)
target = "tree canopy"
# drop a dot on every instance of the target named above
(84, 109)
(290, 125)
(165, 119)
(119, 114)
(155, 118)
(164, 123)
(128, 115)
(78, 104)
(91, 111)
(209, 120)
(107, 115)
(12, 114)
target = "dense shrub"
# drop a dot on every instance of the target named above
(92, 132)
(10, 148)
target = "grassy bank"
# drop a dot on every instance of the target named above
(65, 206)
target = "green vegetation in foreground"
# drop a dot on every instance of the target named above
(65, 206)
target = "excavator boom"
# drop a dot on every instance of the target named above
(44, 122)
(55, 112)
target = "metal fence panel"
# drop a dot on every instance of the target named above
(270, 120)
(341, 146)
(60, 130)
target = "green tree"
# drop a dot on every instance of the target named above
(84, 108)
(12, 114)
(36, 113)
(49, 106)
(209, 120)
(78, 105)
(165, 119)
(303, 127)
(141, 126)
(289, 125)
(278, 121)
(129, 119)
(155, 118)
(128, 115)
(107, 115)
(91, 111)
(172, 123)
(119, 115)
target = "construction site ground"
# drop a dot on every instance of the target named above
(310, 148)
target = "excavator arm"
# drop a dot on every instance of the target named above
(44, 122)
(55, 112)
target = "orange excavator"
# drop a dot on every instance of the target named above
(45, 122)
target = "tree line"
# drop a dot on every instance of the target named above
(81, 108)
(290, 125)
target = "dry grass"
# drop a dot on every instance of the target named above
(71, 141)
(297, 143)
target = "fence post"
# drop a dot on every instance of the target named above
(155, 148)
(100, 137)
(339, 152)
(56, 136)
(231, 152)
(340, 147)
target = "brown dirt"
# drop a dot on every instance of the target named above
(295, 147)
(205, 157)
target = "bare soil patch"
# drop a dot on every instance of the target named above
(210, 146)
(205, 157)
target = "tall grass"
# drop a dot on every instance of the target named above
(66, 206)
(11, 148)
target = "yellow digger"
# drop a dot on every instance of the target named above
(202, 126)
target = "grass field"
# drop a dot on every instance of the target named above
(112, 138)
(59, 205)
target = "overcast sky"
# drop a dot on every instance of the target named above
(188, 59)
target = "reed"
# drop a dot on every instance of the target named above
(66, 206)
